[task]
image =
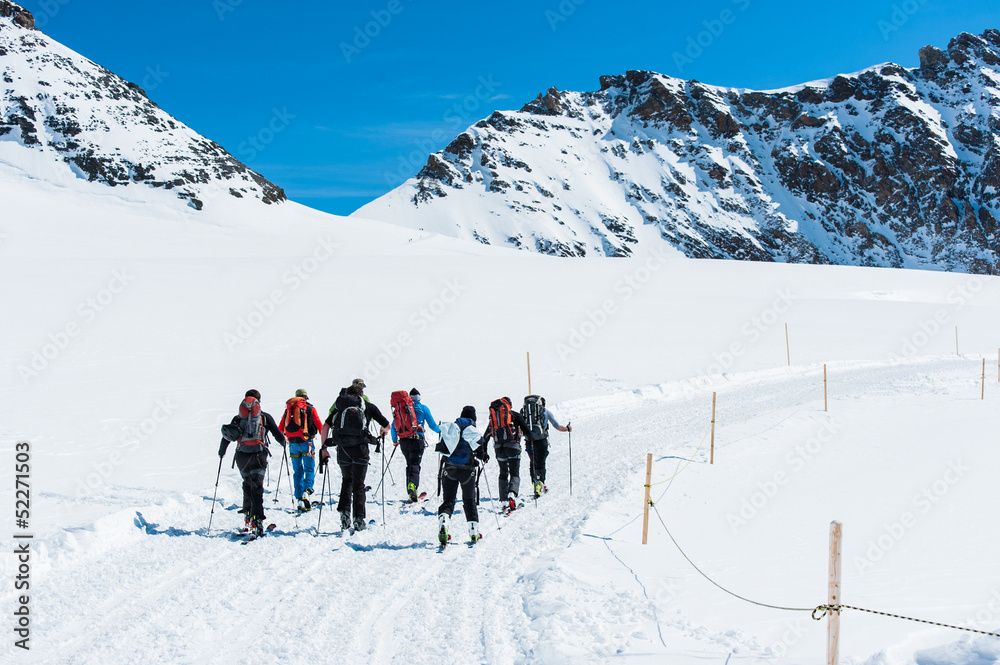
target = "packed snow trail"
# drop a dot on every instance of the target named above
(384, 596)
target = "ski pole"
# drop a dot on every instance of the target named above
(288, 473)
(382, 445)
(277, 489)
(570, 458)
(322, 497)
(217, 476)
(387, 467)
(490, 494)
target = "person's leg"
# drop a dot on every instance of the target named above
(468, 481)
(541, 453)
(308, 472)
(346, 483)
(449, 490)
(297, 471)
(360, 471)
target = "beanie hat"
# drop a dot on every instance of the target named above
(469, 412)
(301, 392)
(253, 393)
(413, 392)
(360, 383)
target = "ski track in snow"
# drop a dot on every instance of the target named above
(177, 595)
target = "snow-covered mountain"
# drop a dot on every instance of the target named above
(64, 108)
(889, 166)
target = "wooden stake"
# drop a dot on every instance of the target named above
(788, 348)
(711, 454)
(529, 372)
(983, 396)
(833, 595)
(645, 505)
(824, 389)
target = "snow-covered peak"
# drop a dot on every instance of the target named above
(888, 166)
(56, 103)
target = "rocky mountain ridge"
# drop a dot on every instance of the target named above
(105, 128)
(889, 166)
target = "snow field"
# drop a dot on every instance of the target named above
(124, 425)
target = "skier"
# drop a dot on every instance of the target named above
(300, 425)
(413, 446)
(249, 430)
(460, 446)
(348, 423)
(361, 387)
(537, 418)
(505, 429)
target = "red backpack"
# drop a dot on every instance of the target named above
(403, 415)
(251, 427)
(504, 430)
(296, 423)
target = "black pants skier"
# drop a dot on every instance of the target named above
(451, 477)
(252, 467)
(353, 461)
(413, 453)
(509, 459)
(537, 452)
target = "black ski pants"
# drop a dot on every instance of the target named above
(353, 461)
(451, 478)
(413, 453)
(537, 452)
(509, 459)
(252, 467)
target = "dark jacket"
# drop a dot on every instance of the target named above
(269, 426)
(464, 451)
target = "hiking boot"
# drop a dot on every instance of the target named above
(474, 534)
(443, 536)
(511, 504)
(359, 524)
(411, 491)
(256, 527)
(345, 520)
(537, 486)
(247, 522)
(304, 505)
(309, 492)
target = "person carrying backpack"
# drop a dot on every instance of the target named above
(537, 419)
(460, 447)
(300, 425)
(348, 426)
(249, 429)
(505, 429)
(410, 417)
(360, 383)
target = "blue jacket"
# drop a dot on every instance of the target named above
(424, 418)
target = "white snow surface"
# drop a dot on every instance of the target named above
(133, 304)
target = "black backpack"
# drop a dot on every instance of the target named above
(533, 414)
(349, 421)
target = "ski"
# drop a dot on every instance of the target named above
(414, 505)
(252, 536)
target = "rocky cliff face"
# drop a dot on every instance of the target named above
(887, 167)
(105, 128)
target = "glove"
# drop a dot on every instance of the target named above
(222, 448)
(482, 454)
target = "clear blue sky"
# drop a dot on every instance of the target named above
(351, 123)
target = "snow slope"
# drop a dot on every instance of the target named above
(150, 320)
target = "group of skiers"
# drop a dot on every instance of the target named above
(346, 430)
